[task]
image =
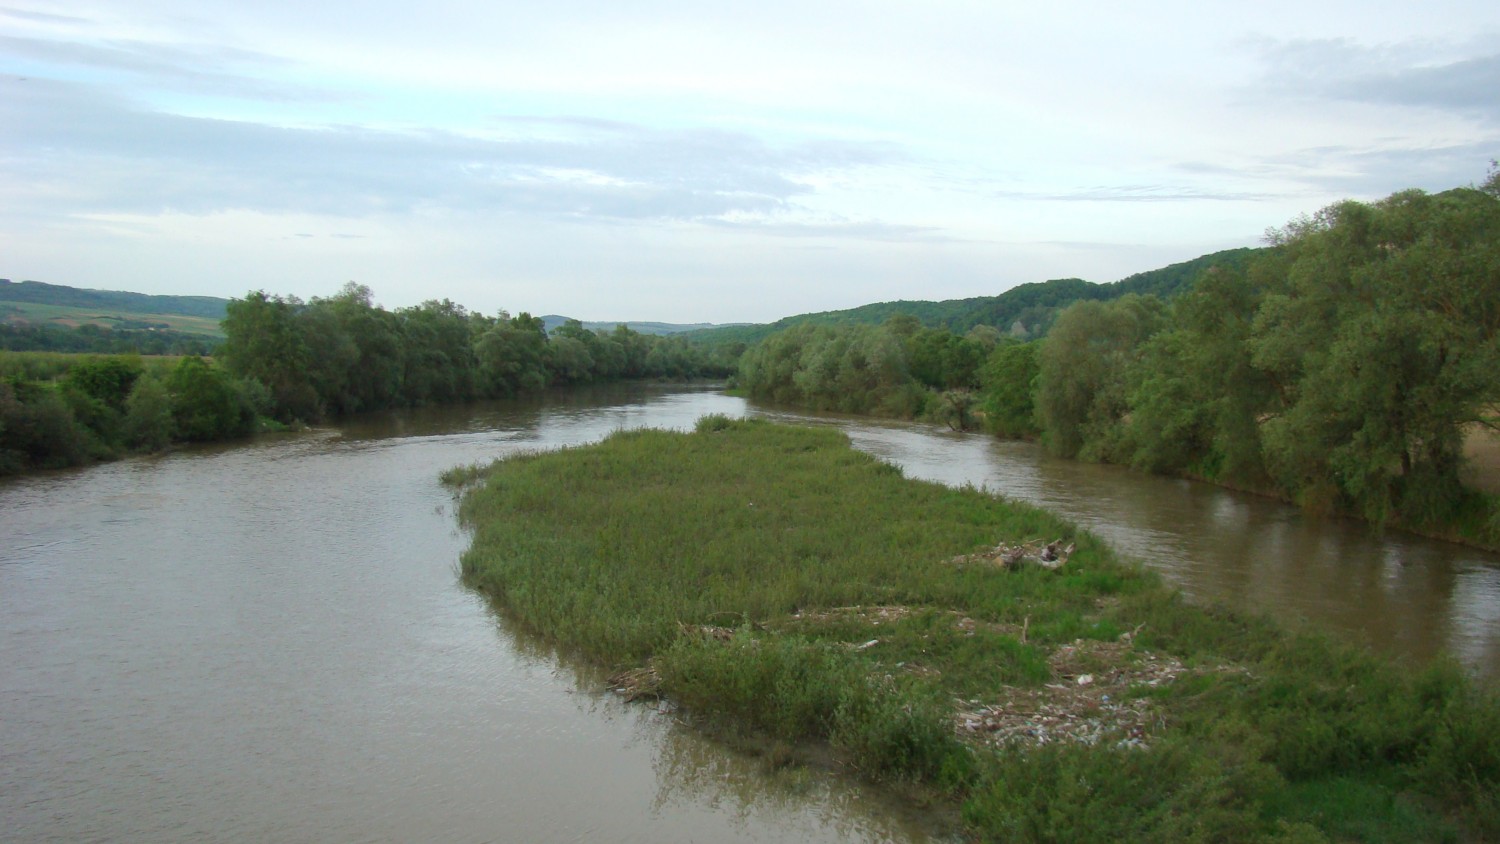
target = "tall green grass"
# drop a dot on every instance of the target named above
(49, 366)
(741, 563)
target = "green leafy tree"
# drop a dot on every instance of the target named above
(903, 325)
(1196, 399)
(149, 423)
(266, 339)
(369, 338)
(1382, 337)
(941, 360)
(987, 336)
(609, 357)
(636, 347)
(569, 361)
(954, 408)
(1008, 388)
(205, 403)
(1082, 392)
(849, 368)
(511, 356)
(108, 380)
(672, 357)
(332, 356)
(439, 358)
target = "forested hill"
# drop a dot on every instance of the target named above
(660, 329)
(41, 293)
(1034, 306)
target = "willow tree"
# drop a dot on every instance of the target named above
(1195, 397)
(1383, 337)
(1082, 387)
(1008, 389)
(264, 340)
(512, 356)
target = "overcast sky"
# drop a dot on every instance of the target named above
(703, 162)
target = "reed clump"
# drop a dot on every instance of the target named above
(780, 583)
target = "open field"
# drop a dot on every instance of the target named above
(72, 317)
(50, 366)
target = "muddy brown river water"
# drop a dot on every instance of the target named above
(268, 641)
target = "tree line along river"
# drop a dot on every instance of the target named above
(268, 640)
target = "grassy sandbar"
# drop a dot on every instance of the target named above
(784, 585)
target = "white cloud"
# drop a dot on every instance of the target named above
(744, 162)
(67, 134)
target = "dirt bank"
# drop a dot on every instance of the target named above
(1482, 449)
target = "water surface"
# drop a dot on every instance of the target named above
(269, 642)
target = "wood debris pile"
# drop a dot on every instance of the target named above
(706, 631)
(1087, 701)
(875, 615)
(636, 683)
(1048, 555)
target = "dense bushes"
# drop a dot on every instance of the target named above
(208, 405)
(1341, 371)
(345, 354)
(286, 360)
(897, 369)
(95, 408)
(1081, 394)
(95, 339)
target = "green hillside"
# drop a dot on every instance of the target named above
(1033, 306)
(1026, 310)
(660, 329)
(35, 316)
(67, 316)
(209, 308)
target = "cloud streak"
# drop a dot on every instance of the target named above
(1365, 170)
(76, 137)
(1137, 193)
(40, 17)
(773, 156)
(1410, 74)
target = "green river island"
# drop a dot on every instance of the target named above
(975, 654)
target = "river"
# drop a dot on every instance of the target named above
(268, 641)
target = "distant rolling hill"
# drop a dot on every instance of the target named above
(552, 321)
(39, 303)
(1026, 310)
(41, 293)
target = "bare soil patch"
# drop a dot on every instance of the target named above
(1095, 695)
(1482, 450)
